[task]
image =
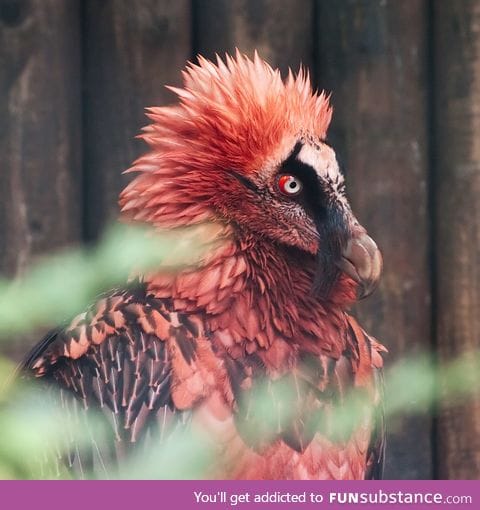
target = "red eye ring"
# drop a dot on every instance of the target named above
(290, 185)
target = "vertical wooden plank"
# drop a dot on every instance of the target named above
(40, 134)
(280, 30)
(372, 56)
(457, 184)
(132, 49)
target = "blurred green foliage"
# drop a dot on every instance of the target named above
(63, 284)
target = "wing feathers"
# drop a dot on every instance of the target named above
(119, 364)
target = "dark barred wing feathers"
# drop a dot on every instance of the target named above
(110, 373)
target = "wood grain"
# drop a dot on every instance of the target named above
(457, 208)
(40, 129)
(372, 57)
(131, 51)
(280, 30)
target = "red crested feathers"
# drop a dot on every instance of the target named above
(237, 115)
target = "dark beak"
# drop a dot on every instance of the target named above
(362, 261)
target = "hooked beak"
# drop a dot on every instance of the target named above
(362, 261)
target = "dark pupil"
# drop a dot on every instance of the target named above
(292, 185)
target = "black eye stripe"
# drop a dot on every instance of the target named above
(312, 196)
(306, 174)
(296, 151)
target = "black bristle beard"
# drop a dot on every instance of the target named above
(326, 274)
(333, 233)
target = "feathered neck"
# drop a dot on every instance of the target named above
(253, 292)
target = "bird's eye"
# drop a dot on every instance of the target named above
(289, 185)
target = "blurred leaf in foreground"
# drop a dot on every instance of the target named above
(31, 426)
(63, 284)
(417, 384)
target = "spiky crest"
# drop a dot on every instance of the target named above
(234, 115)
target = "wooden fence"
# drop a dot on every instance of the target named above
(405, 76)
